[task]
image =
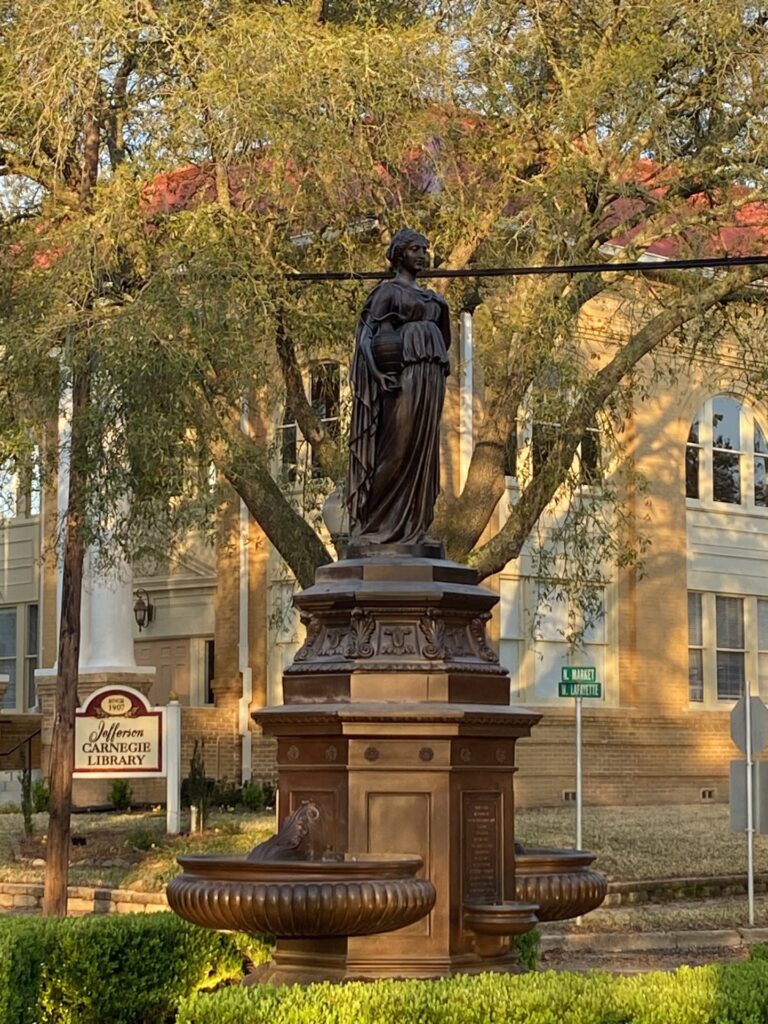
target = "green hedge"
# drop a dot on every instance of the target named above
(121, 969)
(734, 994)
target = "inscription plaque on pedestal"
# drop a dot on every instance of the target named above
(481, 853)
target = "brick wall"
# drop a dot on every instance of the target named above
(15, 729)
(628, 758)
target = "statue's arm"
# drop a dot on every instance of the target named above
(374, 311)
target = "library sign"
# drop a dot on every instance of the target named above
(118, 734)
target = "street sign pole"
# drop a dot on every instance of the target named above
(579, 701)
(750, 809)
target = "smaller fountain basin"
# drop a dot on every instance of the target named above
(361, 895)
(500, 919)
(562, 882)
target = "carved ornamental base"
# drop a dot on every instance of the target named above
(396, 627)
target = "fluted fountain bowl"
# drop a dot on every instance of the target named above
(360, 895)
(562, 882)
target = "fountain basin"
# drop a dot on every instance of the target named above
(360, 895)
(562, 882)
(500, 919)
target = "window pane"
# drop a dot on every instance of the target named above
(693, 433)
(726, 417)
(543, 437)
(34, 486)
(730, 675)
(7, 492)
(694, 620)
(594, 633)
(509, 656)
(510, 453)
(510, 626)
(7, 632)
(760, 443)
(8, 668)
(289, 444)
(726, 483)
(549, 660)
(553, 620)
(695, 675)
(761, 483)
(762, 675)
(762, 625)
(590, 457)
(32, 630)
(31, 654)
(210, 661)
(692, 472)
(325, 389)
(730, 622)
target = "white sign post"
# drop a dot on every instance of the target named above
(749, 731)
(120, 735)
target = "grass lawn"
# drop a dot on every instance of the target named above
(132, 851)
(128, 851)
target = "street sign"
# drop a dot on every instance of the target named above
(738, 797)
(579, 681)
(580, 690)
(759, 729)
(578, 674)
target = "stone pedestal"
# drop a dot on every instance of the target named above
(397, 725)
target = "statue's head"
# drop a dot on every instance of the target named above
(400, 242)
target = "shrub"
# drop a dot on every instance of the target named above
(121, 795)
(40, 796)
(226, 794)
(253, 797)
(733, 994)
(125, 969)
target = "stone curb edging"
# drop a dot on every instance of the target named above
(636, 942)
(659, 890)
(82, 899)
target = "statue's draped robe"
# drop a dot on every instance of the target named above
(394, 465)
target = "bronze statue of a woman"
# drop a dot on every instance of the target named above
(398, 377)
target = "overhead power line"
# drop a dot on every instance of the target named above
(639, 266)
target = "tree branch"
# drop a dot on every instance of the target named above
(508, 542)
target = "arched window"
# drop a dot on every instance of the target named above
(726, 457)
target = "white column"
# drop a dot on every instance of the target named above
(173, 767)
(466, 389)
(106, 642)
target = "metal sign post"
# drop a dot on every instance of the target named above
(749, 731)
(750, 809)
(579, 681)
(578, 773)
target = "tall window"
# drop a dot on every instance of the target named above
(325, 398)
(8, 648)
(544, 437)
(729, 612)
(20, 491)
(727, 645)
(726, 457)
(18, 654)
(695, 649)
(289, 445)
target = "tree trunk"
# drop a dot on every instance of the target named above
(63, 743)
